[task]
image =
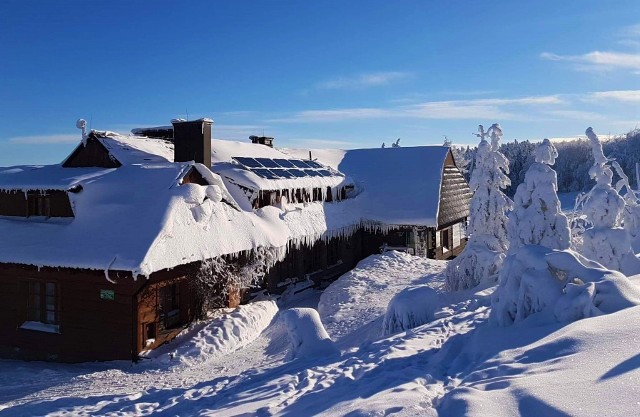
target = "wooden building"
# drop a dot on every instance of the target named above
(99, 253)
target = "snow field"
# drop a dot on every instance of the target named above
(455, 364)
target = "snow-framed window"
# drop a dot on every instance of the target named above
(41, 301)
(170, 305)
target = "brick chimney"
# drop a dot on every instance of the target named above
(192, 140)
(262, 140)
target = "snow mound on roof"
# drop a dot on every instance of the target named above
(222, 335)
(307, 334)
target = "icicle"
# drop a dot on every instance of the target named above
(106, 271)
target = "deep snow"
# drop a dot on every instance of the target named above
(455, 365)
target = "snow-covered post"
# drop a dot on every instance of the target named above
(482, 257)
(82, 124)
(606, 242)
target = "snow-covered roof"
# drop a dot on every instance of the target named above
(135, 217)
(226, 157)
(140, 218)
(398, 186)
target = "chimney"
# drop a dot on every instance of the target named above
(262, 140)
(192, 141)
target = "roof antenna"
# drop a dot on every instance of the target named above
(186, 109)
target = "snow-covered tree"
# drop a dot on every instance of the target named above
(220, 279)
(537, 218)
(536, 227)
(605, 241)
(483, 255)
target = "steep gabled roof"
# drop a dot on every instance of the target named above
(400, 186)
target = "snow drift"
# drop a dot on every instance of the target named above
(222, 335)
(307, 334)
(412, 307)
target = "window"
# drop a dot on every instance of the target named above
(38, 204)
(444, 238)
(170, 305)
(42, 305)
(148, 334)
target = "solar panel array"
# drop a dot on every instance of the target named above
(278, 168)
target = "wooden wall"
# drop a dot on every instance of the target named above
(91, 328)
(93, 154)
(320, 262)
(17, 203)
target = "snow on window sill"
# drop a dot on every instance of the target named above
(40, 327)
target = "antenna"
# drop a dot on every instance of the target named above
(186, 109)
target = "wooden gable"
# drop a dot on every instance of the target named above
(455, 194)
(91, 154)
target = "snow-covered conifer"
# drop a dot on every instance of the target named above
(536, 226)
(537, 218)
(606, 242)
(483, 255)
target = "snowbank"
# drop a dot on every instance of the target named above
(360, 297)
(562, 285)
(307, 334)
(221, 336)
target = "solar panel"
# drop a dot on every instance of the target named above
(273, 169)
(283, 173)
(313, 164)
(298, 173)
(285, 163)
(248, 162)
(269, 163)
(299, 163)
(265, 173)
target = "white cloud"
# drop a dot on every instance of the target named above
(625, 96)
(323, 143)
(46, 139)
(373, 79)
(599, 60)
(630, 32)
(493, 108)
(574, 114)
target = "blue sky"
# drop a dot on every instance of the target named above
(316, 74)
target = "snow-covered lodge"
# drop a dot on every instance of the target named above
(98, 254)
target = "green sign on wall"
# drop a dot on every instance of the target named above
(107, 295)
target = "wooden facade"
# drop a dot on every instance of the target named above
(69, 314)
(91, 154)
(35, 203)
